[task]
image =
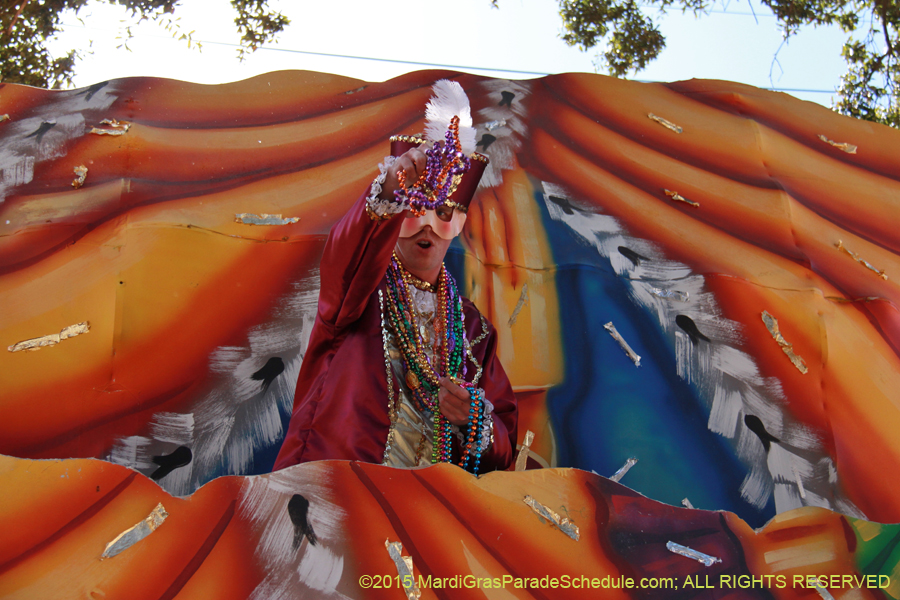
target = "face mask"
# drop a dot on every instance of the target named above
(446, 230)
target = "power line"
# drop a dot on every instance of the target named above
(771, 89)
(388, 60)
(425, 64)
(800, 90)
(330, 55)
(737, 14)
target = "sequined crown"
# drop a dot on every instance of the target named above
(453, 168)
(462, 186)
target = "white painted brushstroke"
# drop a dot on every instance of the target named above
(846, 507)
(290, 572)
(505, 123)
(684, 350)
(786, 494)
(173, 427)
(757, 488)
(226, 358)
(264, 501)
(802, 438)
(19, 172)
(686, 503)
(792, 474)
(669, 294)
(320, 569)
(739, 366)
(769, 413)
(725, 412)
(832, 471)
(132, 452)
(726, 378)
(178, 480)
(237, 417)
(588, 226)
(659, 305)
(799, 484)
(20, 152)
(168, 432)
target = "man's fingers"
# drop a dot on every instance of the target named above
(453, 408)
(406, 165)
(415, 159)
(445, 396)
(411, 164)
(451, 386)
(418, 159)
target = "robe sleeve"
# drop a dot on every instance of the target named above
(357, 255)
(497, 388)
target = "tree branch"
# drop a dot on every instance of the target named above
(882, 13)
(16, 16)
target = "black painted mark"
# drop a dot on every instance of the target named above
(631, 255)
(563, 203)
(690, 328)
(485, 141)
(272, 369)
(506, 98)
(755, 425)
(89, 92)
(40, 131)
(298, 511)
(181, 457)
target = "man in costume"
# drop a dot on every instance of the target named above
(401, 370)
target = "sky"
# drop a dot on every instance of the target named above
(378, 40)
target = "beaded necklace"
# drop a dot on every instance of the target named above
(422, 374)
(444, 167)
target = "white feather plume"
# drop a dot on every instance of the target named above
(449, 100)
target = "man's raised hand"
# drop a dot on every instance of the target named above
(411, 162)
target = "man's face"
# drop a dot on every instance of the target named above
(422, 252)
(445, 222)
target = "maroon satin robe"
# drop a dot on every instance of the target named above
(341, 401)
